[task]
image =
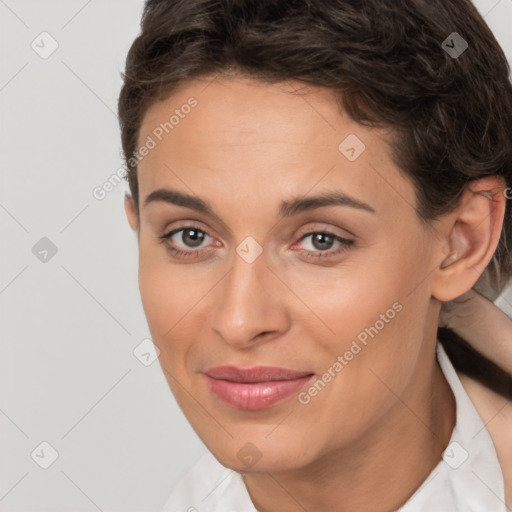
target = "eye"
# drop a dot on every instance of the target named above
(191, 237)
(321, 242)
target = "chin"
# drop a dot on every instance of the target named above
(252, 457)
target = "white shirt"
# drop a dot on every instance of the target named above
(468, 478)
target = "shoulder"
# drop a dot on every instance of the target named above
(496, 413)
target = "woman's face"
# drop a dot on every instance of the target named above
(337, 289)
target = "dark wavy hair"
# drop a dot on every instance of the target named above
(388, 63)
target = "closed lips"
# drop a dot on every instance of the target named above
(254, 375)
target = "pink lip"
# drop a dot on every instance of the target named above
(255, 388)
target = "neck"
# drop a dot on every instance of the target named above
(382, 469)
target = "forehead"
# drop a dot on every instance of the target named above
(230, 110)
(255, 139)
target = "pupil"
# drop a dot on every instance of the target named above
(195, 240)
(321, 238)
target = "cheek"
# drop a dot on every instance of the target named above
(375, 314)
(354, 297)
(172, 297)
(159, 292)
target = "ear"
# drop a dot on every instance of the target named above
(470, 236)
(132, 213)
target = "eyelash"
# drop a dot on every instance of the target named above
(345, 244)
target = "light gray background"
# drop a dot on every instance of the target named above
(69, 326)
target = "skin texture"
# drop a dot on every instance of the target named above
(246, 147)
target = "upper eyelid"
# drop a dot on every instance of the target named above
(301, 231)
(318, 229)
(329, 221)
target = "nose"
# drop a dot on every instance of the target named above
(249, 305)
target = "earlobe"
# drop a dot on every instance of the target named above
(472, 237)
(131, 211)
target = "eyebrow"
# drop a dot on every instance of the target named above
(287, 209)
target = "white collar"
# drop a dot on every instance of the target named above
(468, 479)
